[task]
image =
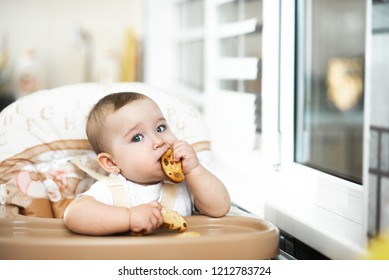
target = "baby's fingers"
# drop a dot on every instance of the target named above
(158, 217)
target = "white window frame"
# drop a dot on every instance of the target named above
(324, 211)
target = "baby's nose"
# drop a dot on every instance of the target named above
(158, 142)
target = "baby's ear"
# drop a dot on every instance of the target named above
(106, 162)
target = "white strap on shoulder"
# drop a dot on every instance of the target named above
(120, 196)
(169, 195)
(119, 193)
(94, 174)
(87, 170)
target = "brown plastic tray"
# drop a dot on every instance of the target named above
(230, 237)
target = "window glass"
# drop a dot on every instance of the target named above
(330, 38)
(244, 45)
(190, 51)
(190, 14)
(190, 64)
(239, 10)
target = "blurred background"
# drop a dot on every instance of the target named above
(49, 43)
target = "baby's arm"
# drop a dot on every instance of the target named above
(86, 215)
(211, 196)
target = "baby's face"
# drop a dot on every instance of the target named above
(139, 135)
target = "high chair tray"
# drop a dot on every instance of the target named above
(230, 237)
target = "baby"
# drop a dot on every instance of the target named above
(129, 135)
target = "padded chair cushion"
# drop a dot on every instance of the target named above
(40, 132)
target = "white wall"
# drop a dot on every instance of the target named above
(48, 26)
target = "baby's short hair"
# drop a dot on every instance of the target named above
(95, 125)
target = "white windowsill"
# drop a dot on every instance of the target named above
(251, 188)
(319, 228)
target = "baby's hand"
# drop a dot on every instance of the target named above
(146, 217)
(184, 151)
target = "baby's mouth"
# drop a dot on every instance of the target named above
(164, 152)
(159, 161)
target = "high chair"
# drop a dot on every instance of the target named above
(39, 135)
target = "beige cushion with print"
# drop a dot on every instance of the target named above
(40, 132)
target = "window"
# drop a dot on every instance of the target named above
(330, 40)
(190, 43)
(316, 191)
(246, 42)
(214, 53)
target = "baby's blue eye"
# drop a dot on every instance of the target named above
(161, 128)
(137, 138)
